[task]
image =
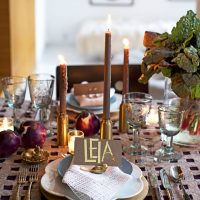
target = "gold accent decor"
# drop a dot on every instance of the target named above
(123, 125)
(34, 155)
(62, 129)
(106, 129)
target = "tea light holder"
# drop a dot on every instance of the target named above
(152, 118)
(6, 123)
(72, 135)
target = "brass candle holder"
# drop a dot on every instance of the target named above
(123, 125)
(106, 129)
(62, 129)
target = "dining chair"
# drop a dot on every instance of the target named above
(94, 73)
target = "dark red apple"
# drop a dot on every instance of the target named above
(33, 133)
(9, 143)
(88, 122)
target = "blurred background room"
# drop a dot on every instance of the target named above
(34, 32)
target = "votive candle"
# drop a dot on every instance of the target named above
(71, 139)
(6, 123)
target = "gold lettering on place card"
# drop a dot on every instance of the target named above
(94, 151)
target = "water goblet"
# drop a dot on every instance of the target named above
(14, 89)
(41, 91)
(137, 107)
(170, 121)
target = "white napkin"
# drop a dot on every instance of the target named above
(95, 186)
(92, 100)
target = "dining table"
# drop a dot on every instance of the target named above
(150, 137)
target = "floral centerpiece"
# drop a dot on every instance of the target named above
(177, 56)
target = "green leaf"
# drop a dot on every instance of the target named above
(198, 39)
(179, 87)
(184, 27)
(195, 91)
(185, 63)
(191, 79)
(166, 71)
(144, 78)
(191, 53)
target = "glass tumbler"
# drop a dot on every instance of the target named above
(41, 91)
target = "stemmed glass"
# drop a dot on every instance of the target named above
(14, 88)
(170, 121)
(137, 107)
(41, 91)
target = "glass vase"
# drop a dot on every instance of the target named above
(190, 133)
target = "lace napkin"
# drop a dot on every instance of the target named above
(95, 186)
(92, 99)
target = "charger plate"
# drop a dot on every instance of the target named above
(71, 100)
(53, 188)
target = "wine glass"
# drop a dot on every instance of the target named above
(14, 88)
(137, 107)
(170, 121)
(41, 91)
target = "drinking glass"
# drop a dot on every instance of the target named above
(14, 88)
(41, 91)
(170, 121)
(137, 107)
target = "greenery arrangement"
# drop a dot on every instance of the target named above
(177, 56)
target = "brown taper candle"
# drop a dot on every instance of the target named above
(126, 67)
(107, 76)
(62, 87)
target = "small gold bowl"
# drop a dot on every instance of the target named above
(34, 155)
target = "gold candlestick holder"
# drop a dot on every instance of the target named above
(106, 129)
(123, 125)
(62, 129)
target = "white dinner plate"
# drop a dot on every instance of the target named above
(51, 182)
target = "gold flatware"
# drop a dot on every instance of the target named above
(177, 175)
(166, 184)
(32, 178)
(21, 180)
(97, 169)
(154, 186)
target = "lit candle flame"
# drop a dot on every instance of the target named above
(61, 59)
(109, 22)
(126, 43)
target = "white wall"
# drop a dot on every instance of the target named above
(63, 17)
(40, 27)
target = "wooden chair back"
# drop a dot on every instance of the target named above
(94, 73)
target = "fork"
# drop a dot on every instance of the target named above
(32, 178)
(21, 180)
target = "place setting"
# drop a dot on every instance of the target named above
(56, 174)
(89, 96)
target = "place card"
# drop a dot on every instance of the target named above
(88, 88)
(94, 151)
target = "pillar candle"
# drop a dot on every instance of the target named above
(62, 71)
(126, 67)
(107, 73)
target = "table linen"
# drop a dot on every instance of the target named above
(10, 167)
